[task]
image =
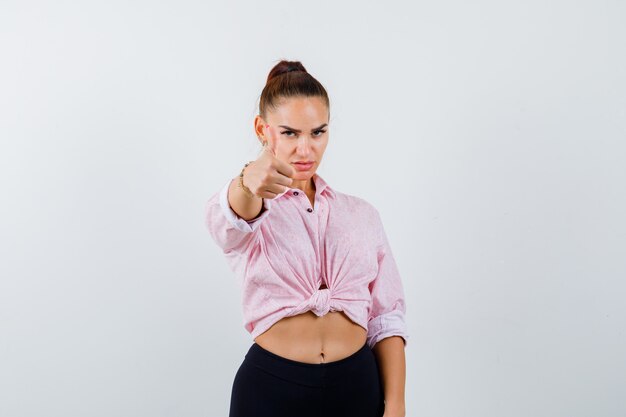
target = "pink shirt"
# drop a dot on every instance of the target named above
(283, 256)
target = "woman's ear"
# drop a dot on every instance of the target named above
(259, 129)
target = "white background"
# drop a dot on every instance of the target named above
(490, 135)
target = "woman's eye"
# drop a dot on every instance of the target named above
(289, 132)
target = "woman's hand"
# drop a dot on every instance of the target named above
(268, 176)
(394, 409)
(394, 413)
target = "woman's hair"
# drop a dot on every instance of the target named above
(289, 79)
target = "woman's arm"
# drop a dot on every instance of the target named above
(229, 230)
(387, 331)
(391, 360)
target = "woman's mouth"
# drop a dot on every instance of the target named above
(303, 166)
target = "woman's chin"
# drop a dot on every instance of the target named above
(303, 175)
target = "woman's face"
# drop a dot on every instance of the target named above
(298, 132)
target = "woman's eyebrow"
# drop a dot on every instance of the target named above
(299, 131)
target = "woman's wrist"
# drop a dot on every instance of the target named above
(241, 185)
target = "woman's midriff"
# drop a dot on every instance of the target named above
(312, 339)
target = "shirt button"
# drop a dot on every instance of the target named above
(309, 209)
(295, 193)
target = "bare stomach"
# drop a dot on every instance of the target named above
(312, 339)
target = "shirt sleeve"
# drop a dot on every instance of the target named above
(387, 314)
(229, 231)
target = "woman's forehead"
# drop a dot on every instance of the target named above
(301, 109)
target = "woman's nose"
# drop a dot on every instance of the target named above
(304, 145)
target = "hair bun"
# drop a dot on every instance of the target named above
(284, 66)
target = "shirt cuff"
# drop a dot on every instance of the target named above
(239, 223)
(386, 325)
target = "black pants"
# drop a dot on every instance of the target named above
(269, 385)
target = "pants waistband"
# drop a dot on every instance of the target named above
(310, 374)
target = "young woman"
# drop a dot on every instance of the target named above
(322, 296)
